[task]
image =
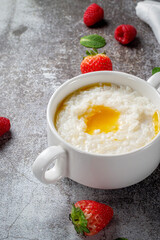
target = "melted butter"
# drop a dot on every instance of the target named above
(156, 122)
(62, 105)
(101, 118)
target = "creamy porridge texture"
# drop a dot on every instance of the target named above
(107, 119)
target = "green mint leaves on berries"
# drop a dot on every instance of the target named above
(93, 41)
(155, 70)
(79, 220)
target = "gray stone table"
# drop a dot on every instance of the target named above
(40, 50)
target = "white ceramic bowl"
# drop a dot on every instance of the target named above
(94, 170)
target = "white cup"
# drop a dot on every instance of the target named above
(95, 170)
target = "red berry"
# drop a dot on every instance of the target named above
(90, 217)
(125, 34)
(4, 125)
(93, 14)
(99, 62)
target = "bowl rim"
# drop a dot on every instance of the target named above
(70, 146)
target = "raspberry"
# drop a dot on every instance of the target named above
(93, 14)
(125, 34)
(4, 125)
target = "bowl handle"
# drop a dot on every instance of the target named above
(53, 154)
(154, 80)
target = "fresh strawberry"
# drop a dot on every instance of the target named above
(4, 125)
(96, 62)
(93, 14)
(125, 34)
(90, 217)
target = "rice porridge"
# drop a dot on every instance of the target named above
(107, 119)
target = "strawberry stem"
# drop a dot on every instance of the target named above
(88, 53)
(95, 49)
(92, 52)
(79, 220)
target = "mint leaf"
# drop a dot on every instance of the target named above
(155, 70)
(93, 41)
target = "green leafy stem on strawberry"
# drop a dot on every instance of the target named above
(79, 220)
(93, 52)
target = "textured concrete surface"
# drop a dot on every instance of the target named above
(39, 50)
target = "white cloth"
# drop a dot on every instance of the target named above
(149, 12)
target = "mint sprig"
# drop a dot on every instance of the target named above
(93, 41)
(155, 70)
